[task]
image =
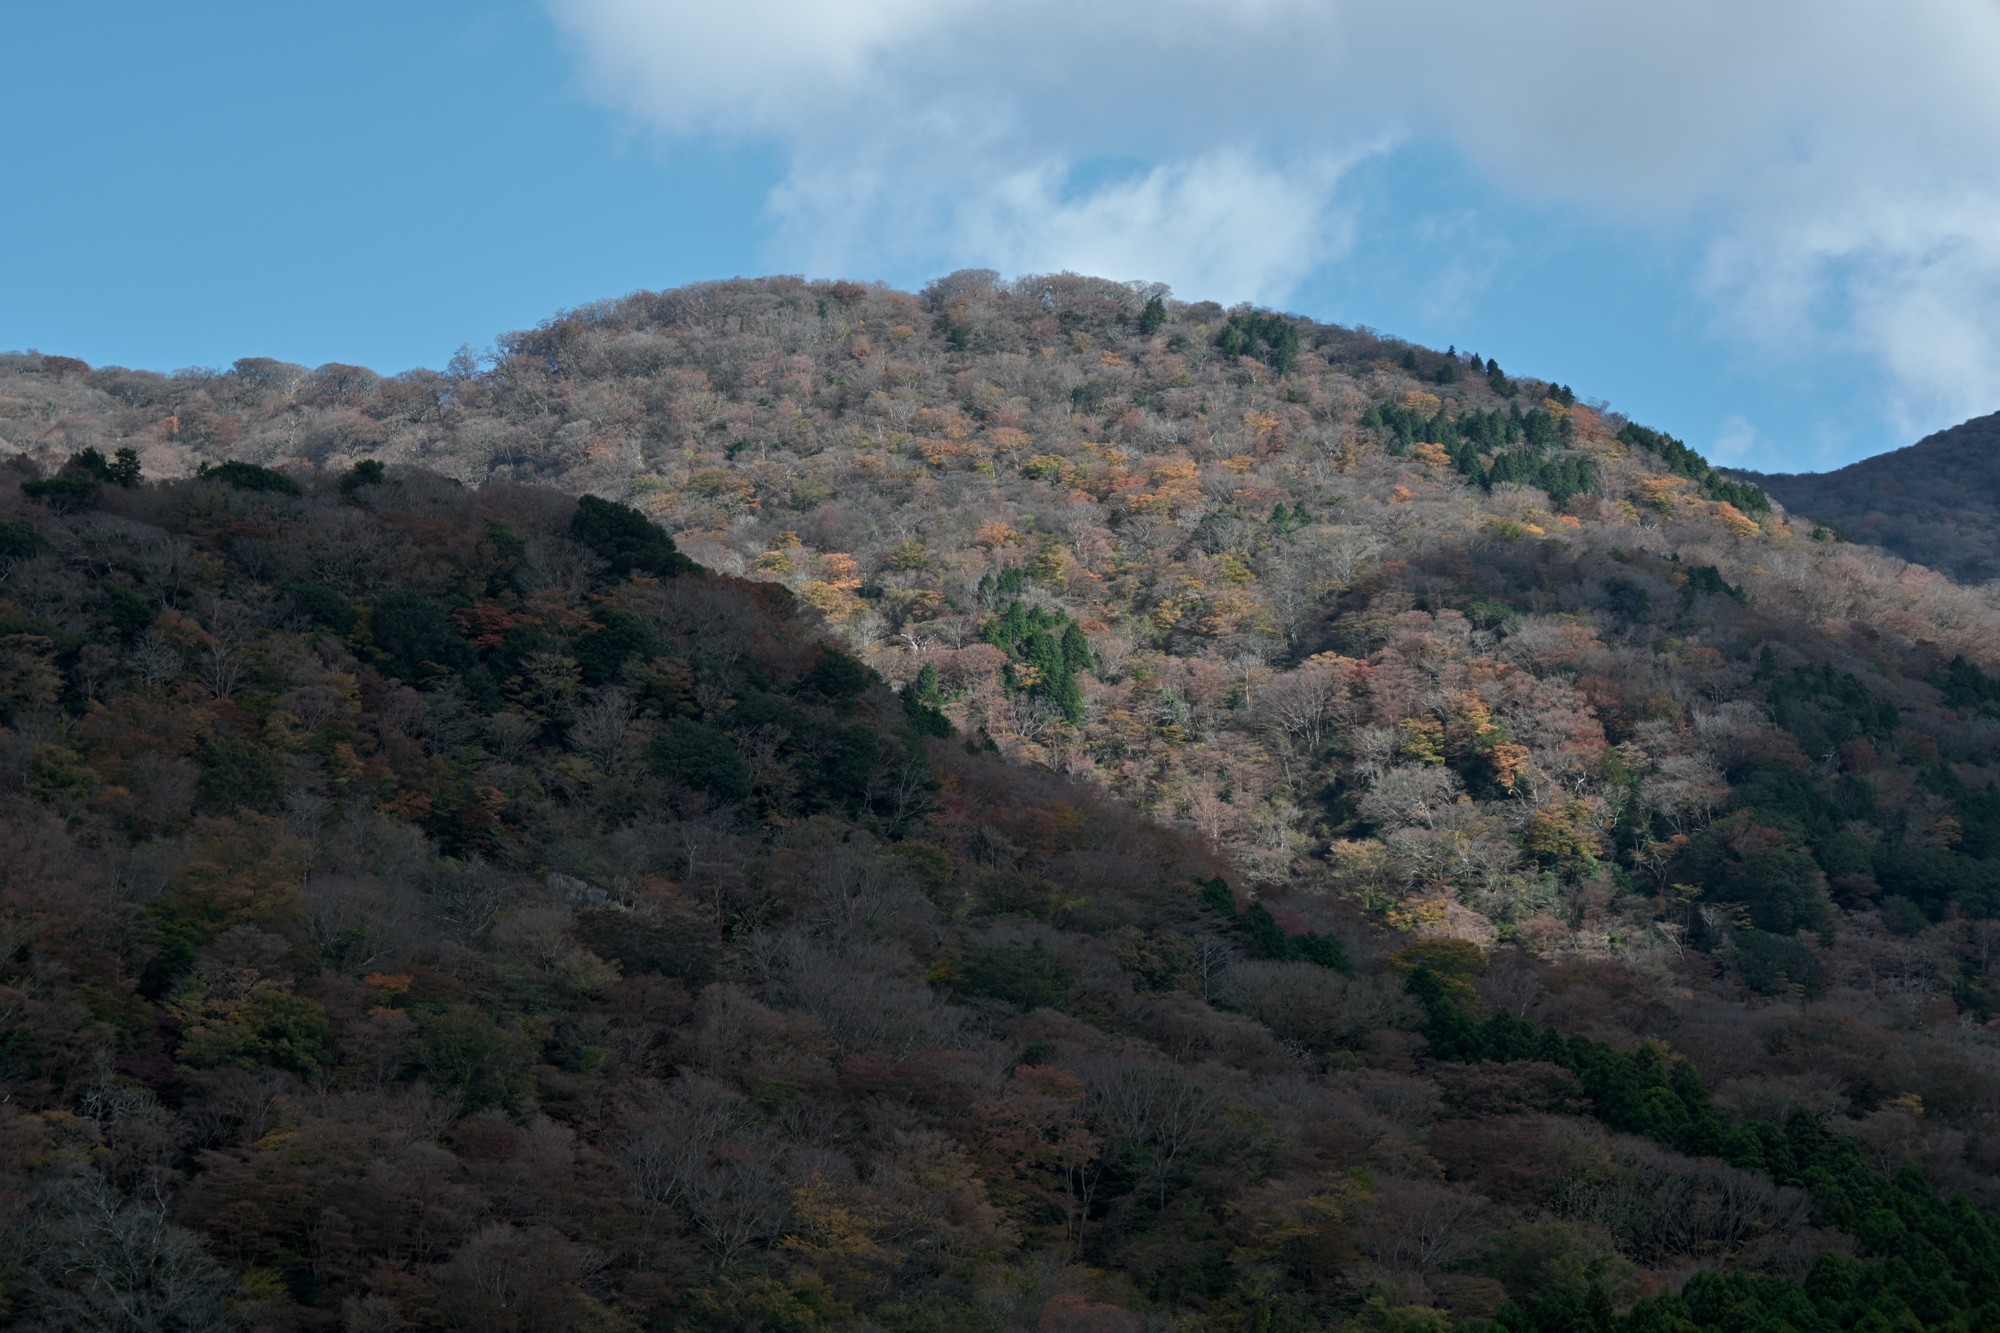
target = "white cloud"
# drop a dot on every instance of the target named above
(1908, 279)
(1223, 222)
(1735, 443)
(746, 67)
(1226, 223)
(1838, 160)
(926, 135)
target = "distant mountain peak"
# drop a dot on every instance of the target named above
(1935, 502)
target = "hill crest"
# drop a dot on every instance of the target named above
(436, 904)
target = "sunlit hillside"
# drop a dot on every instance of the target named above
(1029, 805)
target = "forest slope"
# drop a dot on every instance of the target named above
(1936, 503)
(1372, 620)
(436, 908)
(1452, 670)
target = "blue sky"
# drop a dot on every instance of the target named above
(1776, 236)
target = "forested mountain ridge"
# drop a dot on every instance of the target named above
(1263, 559)
(437, 908)
(467, 865)
(1936, 502)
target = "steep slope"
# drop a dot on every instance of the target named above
(440, 908)
(1235, 568)
(1465, 680)
(1935, 503)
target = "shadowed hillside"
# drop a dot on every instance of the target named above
(1936, 503)
(1133, 812)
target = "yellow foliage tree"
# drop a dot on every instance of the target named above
(1740, 524)
(1564, 836)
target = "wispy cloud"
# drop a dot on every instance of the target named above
(1227, 223)
(1736, 442)
(1837, 161)
(1033, 136)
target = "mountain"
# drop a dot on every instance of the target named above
(1935, 503)
(1026, 805)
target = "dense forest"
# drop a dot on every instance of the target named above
(1027, 805)
(1936, 503)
